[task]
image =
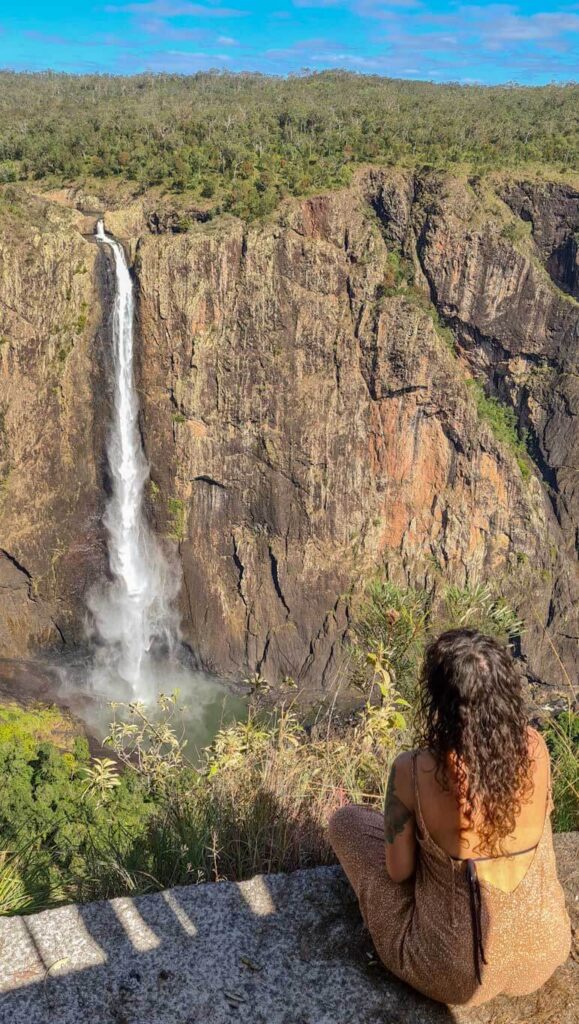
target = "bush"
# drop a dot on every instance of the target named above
(516, 230)
(503, 423)
(57, 824)
(392, 620)
(9, 171)
(259, 801)
(397, 623)
(177, 519)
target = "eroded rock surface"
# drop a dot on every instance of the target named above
(52, 424)
(306, 418)
(279, 949)
(314, 422)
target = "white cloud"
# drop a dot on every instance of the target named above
(174, 9)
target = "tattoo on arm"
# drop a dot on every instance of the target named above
(396, 814)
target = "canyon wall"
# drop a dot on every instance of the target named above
(52, 423)
(307, 412)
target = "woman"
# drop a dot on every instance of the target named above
(458, 884)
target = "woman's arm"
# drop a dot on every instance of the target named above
(399, 821)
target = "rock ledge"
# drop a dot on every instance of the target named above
(279, 949)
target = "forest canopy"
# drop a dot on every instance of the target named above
(243, 142)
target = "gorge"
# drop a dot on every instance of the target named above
(307, 409)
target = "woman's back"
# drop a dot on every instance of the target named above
(448, 824)
(458, 881)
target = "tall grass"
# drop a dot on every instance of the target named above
(562, 737)
(267, 788)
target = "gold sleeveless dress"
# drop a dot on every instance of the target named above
(455, 938)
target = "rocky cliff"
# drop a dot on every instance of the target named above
(52, 422)
(306, 409)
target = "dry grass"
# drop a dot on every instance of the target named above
(262, 799)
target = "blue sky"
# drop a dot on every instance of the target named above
(532, 42)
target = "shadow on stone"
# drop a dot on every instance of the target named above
(278, 949)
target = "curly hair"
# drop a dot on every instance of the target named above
(472, 707)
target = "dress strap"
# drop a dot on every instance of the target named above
(550, 805)
(417, 808)
(497, 856)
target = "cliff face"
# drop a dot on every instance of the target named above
(307, 418)
(52, 423)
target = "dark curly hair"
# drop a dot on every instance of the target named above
(472, 707)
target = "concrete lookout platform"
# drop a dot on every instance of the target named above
(279, 949)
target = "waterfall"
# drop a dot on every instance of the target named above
(132, 612)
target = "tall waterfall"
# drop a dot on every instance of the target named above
(132, 611)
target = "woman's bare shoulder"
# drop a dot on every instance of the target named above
(402, 773)
(538, 750)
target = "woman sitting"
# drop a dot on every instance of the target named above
(457, 883)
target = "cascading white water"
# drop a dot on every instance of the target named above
(133, 611)
(134, 625)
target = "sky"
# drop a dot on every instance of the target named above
(533, 42)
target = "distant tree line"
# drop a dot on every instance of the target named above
(242, 142)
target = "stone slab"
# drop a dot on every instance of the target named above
(279, 949)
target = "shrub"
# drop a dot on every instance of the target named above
(391, 620)
(420, 299)
(177, 519)
(260, 797)
(503, 423)
(397, 623)
(25, 729)
(478, 606)
(259, 801)
(516, 230)
(396, 275)
(57, 825)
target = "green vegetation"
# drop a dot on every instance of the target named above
(57, 831)
(503, 423)
(394, 621)
(77, 829)
(26, 729)
(242, 142)
(178, 518)
(397, 622)
(64, 350)
(80, 323)
(397, 276)
(420, 299)
(517, 230)
(562, 736)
